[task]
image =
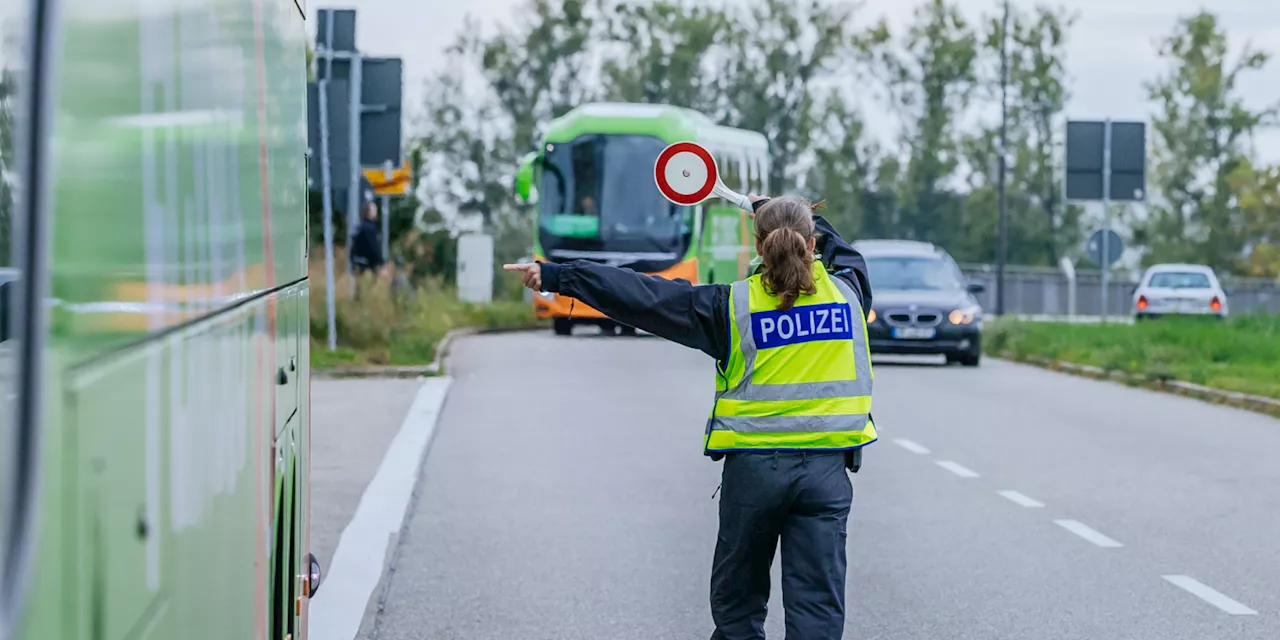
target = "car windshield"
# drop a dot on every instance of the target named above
(601, 186)
(912, 274)
(1179, 280)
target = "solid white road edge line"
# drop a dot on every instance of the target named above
(1021, 500)
(1210, 595)
(911, 446)
(1084, 531)
(339, 605)
(957, 468)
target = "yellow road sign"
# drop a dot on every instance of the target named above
(393, 183)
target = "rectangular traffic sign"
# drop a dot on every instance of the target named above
(1089, 143)
(395, 183)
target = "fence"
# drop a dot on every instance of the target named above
(1047, 291)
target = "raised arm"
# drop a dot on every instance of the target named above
(840, 258)
(695, 316)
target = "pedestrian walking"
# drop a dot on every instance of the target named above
(791, 412)
(366, 245)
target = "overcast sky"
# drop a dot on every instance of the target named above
(1112, 47)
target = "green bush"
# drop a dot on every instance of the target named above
(1238, 354)
(383, 325)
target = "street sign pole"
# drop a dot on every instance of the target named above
(1002, 242)
(353, 192)
(326, 188)
(1105, 161)
(386, 213)
(1106, 216)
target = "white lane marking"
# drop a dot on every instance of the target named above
(1021, 500)
(356, 568)
(1084, 531)
(956, 468)
(910, 445)
(1210, 595)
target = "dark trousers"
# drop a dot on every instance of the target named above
(803, 499)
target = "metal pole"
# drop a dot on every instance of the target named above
(326, 187)
(353, 191)
(1106, 216)
(386, 214)
(1002, 243)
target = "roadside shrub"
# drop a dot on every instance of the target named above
(379, 324)
(1239, 354)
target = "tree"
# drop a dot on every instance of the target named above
(537, 70)
(845, 170)
(929, 78)
(1041, 226)
(662, 52)
(1200, 129)
(471, 137)
(779, 50)
(1038, 77)
(1257, 191)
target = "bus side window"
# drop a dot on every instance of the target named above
(760, 165)
(744, 173)
(753, 176)
(730, 170)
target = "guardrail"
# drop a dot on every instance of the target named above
(1047, 291)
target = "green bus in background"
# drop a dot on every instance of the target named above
(592, 182)
(154, 465)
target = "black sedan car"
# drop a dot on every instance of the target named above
(921, 302)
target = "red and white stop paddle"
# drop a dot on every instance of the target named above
(686, 174)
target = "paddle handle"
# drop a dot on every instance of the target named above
(731, 195)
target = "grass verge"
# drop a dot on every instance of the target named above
(1240, 354)
(380, 326)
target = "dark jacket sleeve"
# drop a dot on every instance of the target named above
(842, 259)
(695, 316)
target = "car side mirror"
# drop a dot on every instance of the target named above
(976, 287)
(314, 577)
(524, 187)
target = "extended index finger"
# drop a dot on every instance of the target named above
(516, 267)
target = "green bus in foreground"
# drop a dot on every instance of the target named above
(592, 181)
(155, 447)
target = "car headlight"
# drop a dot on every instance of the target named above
(547, 295)
(965, 315)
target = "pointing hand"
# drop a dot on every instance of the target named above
(755, 202)
(531, 272)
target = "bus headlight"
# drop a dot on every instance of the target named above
(965, 315)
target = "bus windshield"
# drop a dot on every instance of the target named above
(597, 193)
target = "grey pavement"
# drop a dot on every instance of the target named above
(565, 496)
(352, 423)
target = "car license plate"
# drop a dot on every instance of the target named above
(914, 333)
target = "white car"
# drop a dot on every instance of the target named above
(1179, 289)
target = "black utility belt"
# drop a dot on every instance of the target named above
(853, 457)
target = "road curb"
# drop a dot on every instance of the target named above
(415, 371)
(1258, 404)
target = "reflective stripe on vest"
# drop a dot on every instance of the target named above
(813, 391)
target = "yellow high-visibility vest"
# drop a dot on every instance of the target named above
(798, 379)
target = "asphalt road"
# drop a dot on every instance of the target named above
(565, 496)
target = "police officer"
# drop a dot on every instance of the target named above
(792, 406)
